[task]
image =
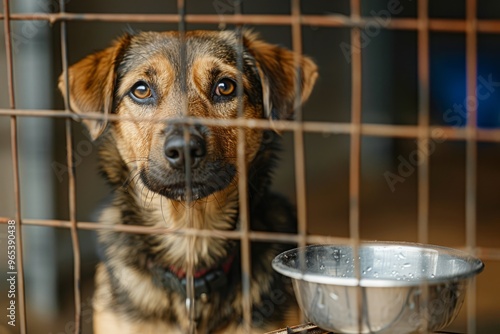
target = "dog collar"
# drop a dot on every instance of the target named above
(181, 273)
(206, 281)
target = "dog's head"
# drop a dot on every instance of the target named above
(165, 75)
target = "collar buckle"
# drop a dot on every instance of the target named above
(214, 280)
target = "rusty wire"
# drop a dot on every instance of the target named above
(337, 20)
(365, 129)
(15, 164)
(75, 243)
(244, 210)
(355, 153)
(423, 120)
(471, 153)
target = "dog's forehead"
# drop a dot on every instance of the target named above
(182, 50)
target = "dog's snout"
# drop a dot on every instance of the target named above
(176, 147)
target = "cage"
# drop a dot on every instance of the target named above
(398, 141)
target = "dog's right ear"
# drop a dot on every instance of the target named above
(92, 82)
(281, 71)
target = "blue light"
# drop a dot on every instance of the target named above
(448, 85)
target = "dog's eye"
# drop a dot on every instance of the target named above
(225, 87)
(141, 91)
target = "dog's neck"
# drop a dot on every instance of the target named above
(218, 211)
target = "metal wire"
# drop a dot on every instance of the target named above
(423, 121)
(71, 180)
(337, 20)
(190, 292)
(244, 211)
(15, 165)
(423, 138)
(375, 130)
(484, 252)
(355, 154)
(471, 152)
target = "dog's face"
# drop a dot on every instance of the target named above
(202, 75)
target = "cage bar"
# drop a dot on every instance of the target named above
(471, 152)
(355, 152)
(337, 20)
(298, 132)
(374, 130)
(423, 55)
(423, 121)
(244, 212)
(15, 165)
(485, 253)
(71, 181)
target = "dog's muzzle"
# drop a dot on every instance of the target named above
(183, 144)
(184, 161)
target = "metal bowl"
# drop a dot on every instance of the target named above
(402, 287)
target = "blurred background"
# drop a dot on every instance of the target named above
(390, 96)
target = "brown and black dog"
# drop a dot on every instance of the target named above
(140, 283)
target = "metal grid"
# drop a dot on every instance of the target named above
(471, 26)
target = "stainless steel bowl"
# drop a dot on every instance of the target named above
(403, 287)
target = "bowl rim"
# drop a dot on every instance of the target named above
(476, 267)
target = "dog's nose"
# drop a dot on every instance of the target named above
(175, 149)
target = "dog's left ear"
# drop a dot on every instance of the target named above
(280, 70)
(92, 84)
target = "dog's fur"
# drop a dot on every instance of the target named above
(134, 292)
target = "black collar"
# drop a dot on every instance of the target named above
(206, 281)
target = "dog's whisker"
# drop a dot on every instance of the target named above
(161, 210)
(181, 203)
(145, 199)
(217, 201)
(142, 194)
(130, 181)
(174, 204)
(205, 206)
(137, 180)
(151, 201)
(147, 196)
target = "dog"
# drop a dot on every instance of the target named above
(141, 280)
